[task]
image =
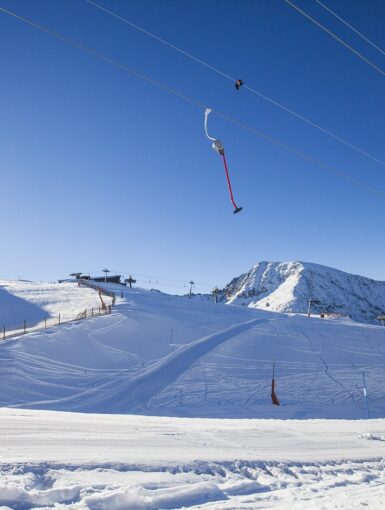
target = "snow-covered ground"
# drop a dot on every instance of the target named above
(115, 462)
(173, 394)
(33, 302)
(168, 355)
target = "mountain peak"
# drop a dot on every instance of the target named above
(288, 287)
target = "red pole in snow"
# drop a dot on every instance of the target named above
(274, 397)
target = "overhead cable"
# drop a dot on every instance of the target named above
(233, 79)
(350, 26)
(362, 57)
(196, 103)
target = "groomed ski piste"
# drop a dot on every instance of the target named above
(166, 403)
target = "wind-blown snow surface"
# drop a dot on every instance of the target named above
(288, 286)
(114, 462)
(160, 354)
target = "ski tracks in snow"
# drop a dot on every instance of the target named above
(345, 391)
(133, 393)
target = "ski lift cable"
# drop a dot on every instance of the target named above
(232, 79)
(350, 26)
(302, 155)
(317, 126)
(341, 41)
(160, 277)
(159, 39)
(196, 103)
(101, 56)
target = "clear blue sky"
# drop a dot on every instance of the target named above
(99, 168)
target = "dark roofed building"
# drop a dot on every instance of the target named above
(102, 279)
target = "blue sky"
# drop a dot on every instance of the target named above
(99, 168)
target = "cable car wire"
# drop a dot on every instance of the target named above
(234, 80)
(196, 103)
(350, 26)
(362, 57)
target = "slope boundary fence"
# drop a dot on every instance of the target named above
(59, 319)
(48, 321)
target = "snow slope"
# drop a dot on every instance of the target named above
(32, 302)
(168, 355)
(287, 287)
(78, 462)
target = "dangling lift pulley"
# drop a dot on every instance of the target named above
(217, 145)
(238, 84)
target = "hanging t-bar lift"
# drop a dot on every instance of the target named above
(217, 145)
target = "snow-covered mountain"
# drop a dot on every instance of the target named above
(288, 286)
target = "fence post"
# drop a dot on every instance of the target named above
(45, 322)
(99, 309)
(85, 313)
(109, 308)
(24, 327)
(59, 319)
(92, 312)
(4, 332)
